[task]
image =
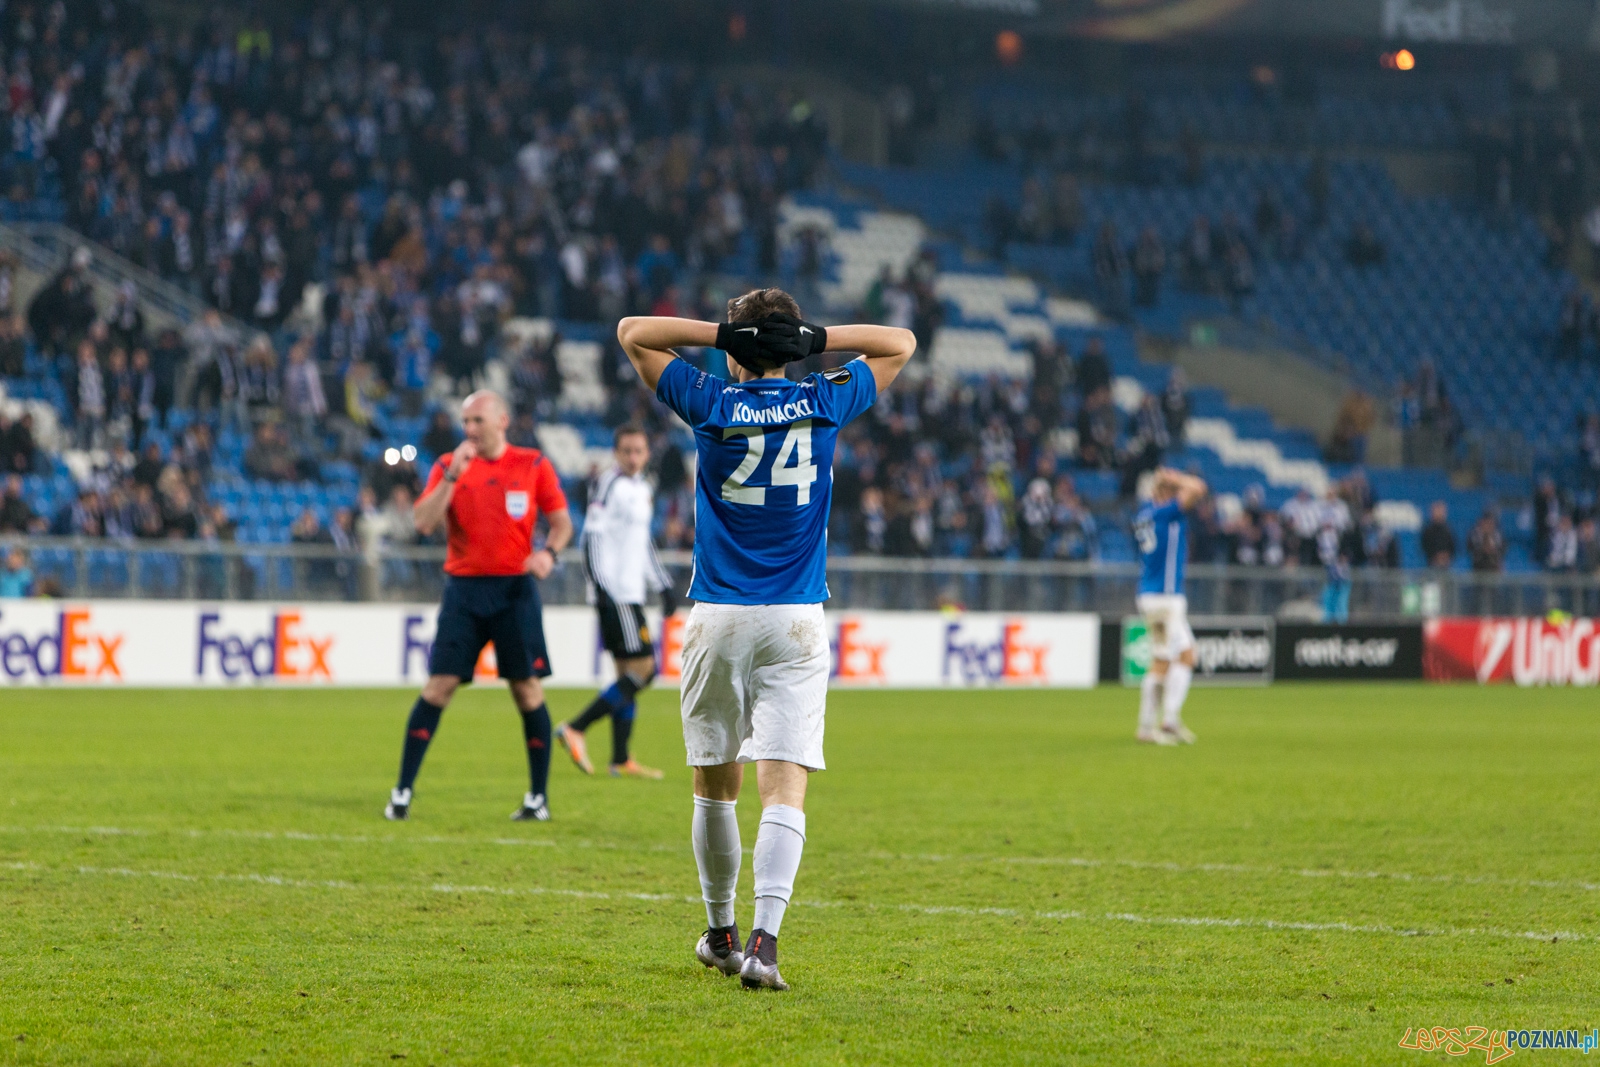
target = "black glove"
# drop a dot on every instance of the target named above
(739, 340)
(669, 603)
(786, 339)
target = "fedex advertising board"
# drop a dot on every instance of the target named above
(167, 643)
(99, 642)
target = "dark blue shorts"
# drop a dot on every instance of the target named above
(476, 611)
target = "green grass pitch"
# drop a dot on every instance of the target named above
(990, 877)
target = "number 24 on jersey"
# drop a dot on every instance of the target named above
(792, 466)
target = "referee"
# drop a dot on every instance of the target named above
(623, 569)
(489, 494)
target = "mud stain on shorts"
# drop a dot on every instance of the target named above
(804, 632)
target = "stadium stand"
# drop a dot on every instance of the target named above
(1175, 101)
(1450, 284)
(993, 328)
(309, 243)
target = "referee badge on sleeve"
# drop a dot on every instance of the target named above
(517, 503)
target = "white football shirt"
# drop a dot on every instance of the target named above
(616, 539)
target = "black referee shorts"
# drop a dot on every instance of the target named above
(476, 611)
(623, 630)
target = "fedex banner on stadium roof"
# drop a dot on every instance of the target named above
(1527, 652)
(165, 643)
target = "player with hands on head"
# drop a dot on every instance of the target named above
(489, 494)
(774, 340)
(790, 338)
(1161, 529)
(755, 651)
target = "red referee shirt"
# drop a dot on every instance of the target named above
(491, 517)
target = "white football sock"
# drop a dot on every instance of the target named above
(1178, 678)
(779, 842)
(1149, 702)
(717, 854)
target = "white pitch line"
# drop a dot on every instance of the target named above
(352, 839)
(921, 909)
(265, 835)
(1239, 868)
(914, 857)
(175, 876)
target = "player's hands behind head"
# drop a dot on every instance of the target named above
(786, 339)
(772, 342)
(740, 340)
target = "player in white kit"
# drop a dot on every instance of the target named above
(624, 571)
(755, 656)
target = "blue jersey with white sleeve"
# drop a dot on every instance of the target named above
(764, 478)
(1162, 533)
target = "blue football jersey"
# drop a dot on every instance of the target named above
(764, 478)
(1162, 533)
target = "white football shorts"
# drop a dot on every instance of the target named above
(755, 683)
(1166, 619)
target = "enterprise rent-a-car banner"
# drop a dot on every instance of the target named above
(166, 643)
(1229, 650)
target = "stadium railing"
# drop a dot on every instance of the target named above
(93, 568)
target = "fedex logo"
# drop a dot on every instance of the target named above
(283, 651)
(1011, 660)
(856, 659)
(73, 651)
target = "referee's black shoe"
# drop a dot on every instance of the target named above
(533, 809)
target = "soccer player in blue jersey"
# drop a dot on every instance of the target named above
(1161, 528)
(755, 653)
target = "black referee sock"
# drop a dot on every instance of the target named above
(621, 730)
(536, 732)
(420, 728)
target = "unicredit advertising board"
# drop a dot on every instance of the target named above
(1527, 652)
(167, 643)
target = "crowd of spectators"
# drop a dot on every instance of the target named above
(1338, 530)
(425, 182)
(419, 187)
(1564, 526)
(362, 206)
